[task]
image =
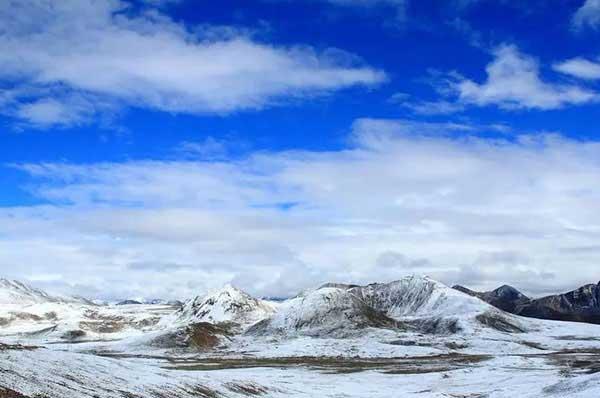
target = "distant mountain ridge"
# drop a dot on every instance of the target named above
(579, 305)
(13, 292)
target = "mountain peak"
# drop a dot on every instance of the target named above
(15, 292)
(227, 304)
(508, 292)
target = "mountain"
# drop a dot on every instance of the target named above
(174, 303)
(413, 303)
(129, 302)
(415, 296)
(13, 292)
(506, 297)
(227, 305)
(326, 311)
(143, 301)
(580, 305)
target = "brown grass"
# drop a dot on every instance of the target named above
(247, 388)
(9, 347)
(8, 393)
(406, 365)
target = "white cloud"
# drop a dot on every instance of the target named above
(108, 50)
(433, 198)
(209, 148)
(514, 82)
(580, 67)
(50, 111)
(588, 15)
(440, 107)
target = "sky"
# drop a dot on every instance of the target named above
(161, 148)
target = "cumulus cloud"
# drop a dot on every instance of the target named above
(404, 197)
(580, 68)
(115, 52)
(514, 82)
(588, 15)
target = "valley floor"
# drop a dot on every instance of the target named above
(90, 370)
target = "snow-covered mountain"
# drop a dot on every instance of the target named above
(327, 311)
(506, 297)
(16, 293)
(415, 296)
(228, 304)
(412, 303)
(410, 331)
(153, 301)
(579, 305)
(32, 313)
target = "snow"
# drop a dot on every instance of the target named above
(320, 312)
(17, 293)
(420, 297)
(326, 342)
(228, 304)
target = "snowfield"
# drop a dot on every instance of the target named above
(412, 337)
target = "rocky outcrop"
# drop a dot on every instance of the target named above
(198, 336)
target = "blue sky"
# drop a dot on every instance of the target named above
(135, 134)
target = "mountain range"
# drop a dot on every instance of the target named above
(409, 331)
(579, 305)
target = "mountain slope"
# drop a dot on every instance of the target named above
(415, 296)
(326, 311)
(228, 304)
(579, 305)
(413, 303)
(16, 293)
(506, 297)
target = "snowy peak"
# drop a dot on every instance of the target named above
(326, 311)
(506, 297)
(13, 292)
(507, 292)
(418, 303)
(415, 296)
(228, 304)
(17, 293)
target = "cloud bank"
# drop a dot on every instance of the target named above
(403, 198)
